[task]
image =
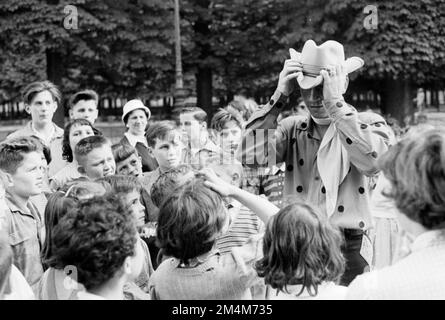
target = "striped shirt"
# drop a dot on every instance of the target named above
(244, 225)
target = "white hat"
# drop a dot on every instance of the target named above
(135, 104)
(316, 58)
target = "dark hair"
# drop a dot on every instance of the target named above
(123, 151)
(239, 108)
(82, 95)
(159, 130)
(31, 90)
(67, 153)
(167, 182)
(96, 237)
(415, 167)
(121, 183)
(12, 152)
(56, 207)
(190, 221)
(222, 117)
(300, 247)
(88, 144)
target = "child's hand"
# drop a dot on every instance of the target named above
(216, 183)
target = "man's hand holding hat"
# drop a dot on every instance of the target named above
(334, 83)
(292, 70)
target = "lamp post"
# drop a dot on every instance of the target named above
(180, 92)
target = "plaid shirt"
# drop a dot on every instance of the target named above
(264, 180)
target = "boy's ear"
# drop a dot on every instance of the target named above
(70, 113)
(150, 152)
(28, 108)
(7, 179)
(204, 125)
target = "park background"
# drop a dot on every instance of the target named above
(125, 49)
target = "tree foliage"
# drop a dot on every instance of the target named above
(126, 47)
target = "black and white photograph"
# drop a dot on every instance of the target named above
(222, 154)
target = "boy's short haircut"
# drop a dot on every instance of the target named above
(31, 90)
(123, 151)
(159, 130)
(82, 95)
(122, 184)
(198, 113)
(95, 237)
(167, 182)
(12, 151)
(190, 220)
(222, 117)
(88, 144)
(67, 153)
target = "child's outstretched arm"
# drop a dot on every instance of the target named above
(261, 206)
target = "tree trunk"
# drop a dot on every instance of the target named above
(204, 89)
(54, 72)
(397, 99)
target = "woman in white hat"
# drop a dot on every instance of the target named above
(135, 117)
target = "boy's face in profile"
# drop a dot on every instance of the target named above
(136, 208)
(42, 108)
(85, 109)
(28, 180)
(230, 137)
(131, 166)
(168, 151)
(98, 163)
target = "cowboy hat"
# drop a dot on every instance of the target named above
(132, 105)
(324, 57)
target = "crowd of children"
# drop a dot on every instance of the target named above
(172, 211)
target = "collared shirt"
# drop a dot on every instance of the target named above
(296, 140)
(54, 142)
(198, 157)
(25, 230)
(149, 178)
(420, 275)
(213, 276)
(133, 140)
